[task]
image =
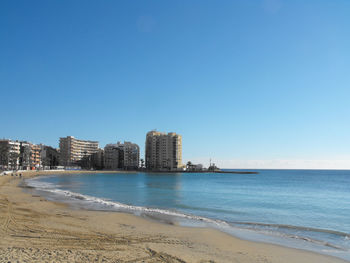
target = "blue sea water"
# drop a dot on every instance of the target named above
(307, 209)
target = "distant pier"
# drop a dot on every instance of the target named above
(234, 172)
(203, 171)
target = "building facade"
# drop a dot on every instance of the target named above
(9, 154)
(35, 156)
(111, 157)
(122, 156)
(129, 155)
(50, 157)
(163, 151)
(73, 150)
(97, 160)
(30, 156)
(21, 155)
(25, 157)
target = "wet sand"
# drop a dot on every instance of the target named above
(33, 229)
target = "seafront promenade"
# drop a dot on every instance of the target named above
(34, 229)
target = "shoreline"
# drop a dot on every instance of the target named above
(30, 221)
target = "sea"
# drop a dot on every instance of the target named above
(303, 209)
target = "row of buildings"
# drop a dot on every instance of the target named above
(88, 155)
(24, 155)
(162, 152)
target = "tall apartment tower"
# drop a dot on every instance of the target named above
(163, 151)
(73, 150)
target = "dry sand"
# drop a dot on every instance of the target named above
(33, 229)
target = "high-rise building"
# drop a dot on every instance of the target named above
(163, 151)
(9, 154)
(97, 160)
(19, 155)
(35, 156)
(73, 150)
(30, 156)
(111, 157)
(25, 157)
(129, 155)
(122, 156)
(49, 157)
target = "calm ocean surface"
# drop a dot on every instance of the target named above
(307, 209)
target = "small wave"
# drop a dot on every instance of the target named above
(264, 228)
(309, 229)
(215, 210)
(48, 187)
(39, 185)
(277, 230)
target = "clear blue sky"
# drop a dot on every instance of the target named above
(240, 80)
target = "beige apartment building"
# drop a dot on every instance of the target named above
(163, 151)
(73, 150)
(35, 156)
(30, 156)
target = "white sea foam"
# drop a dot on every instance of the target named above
(49, 187)
(253, 232)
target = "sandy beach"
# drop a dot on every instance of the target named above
(33, 229)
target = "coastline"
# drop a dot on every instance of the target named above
(35, 229)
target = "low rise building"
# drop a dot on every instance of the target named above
(191, 167)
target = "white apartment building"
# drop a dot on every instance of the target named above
(73, 150)
(163, 151)
(9, 154)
